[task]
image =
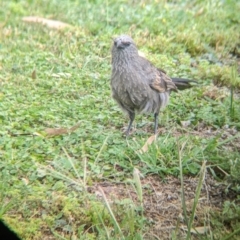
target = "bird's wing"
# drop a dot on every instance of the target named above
(162, 82)
(157, 78)
(161, 70)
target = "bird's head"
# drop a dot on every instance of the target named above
(124, 43)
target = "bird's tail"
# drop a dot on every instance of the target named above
(183, 83)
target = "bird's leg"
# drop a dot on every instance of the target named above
(131, 117)
(155, 123)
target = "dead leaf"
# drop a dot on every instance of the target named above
(215, 93)
(199, 230)
(147, 143)
(199, 12)
(60, 131)
(25, 180)
(7, 32)
(48, 22)
(56, 131)
(61, 74)
(73, 128)
(38, 134)
(34, 74)
(185, 123)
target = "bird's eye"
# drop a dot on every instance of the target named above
(126, 43)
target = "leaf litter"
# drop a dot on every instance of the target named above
(60, 131)
(54, 24)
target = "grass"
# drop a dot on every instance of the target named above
(57, 78)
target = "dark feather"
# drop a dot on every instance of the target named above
(183, 83)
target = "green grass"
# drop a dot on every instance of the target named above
(44, 180)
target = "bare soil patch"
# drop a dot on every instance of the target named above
(162, 202)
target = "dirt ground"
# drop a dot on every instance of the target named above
(163, 207)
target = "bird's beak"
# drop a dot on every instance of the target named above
(118, 44)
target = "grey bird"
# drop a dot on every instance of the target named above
(137, 85)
